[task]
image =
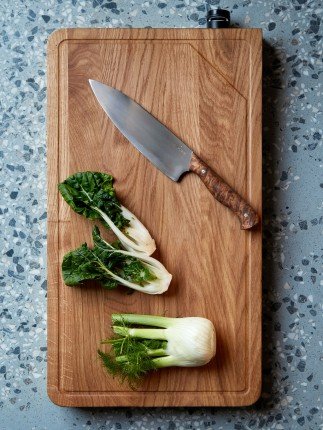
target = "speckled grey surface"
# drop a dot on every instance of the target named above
(293, 188)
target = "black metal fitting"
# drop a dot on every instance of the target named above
(219, 18)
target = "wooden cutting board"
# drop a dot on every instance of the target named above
(205, 85)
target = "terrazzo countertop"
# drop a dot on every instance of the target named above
(293, 183)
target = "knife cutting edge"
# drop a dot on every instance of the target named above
(166, 151)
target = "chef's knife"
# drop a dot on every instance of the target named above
(166, 151)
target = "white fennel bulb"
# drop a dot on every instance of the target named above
(166, 342)
(191, 341)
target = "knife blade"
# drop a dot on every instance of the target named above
(165, 150)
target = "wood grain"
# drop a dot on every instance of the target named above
(205, 85)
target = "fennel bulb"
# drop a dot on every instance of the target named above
(183, 342)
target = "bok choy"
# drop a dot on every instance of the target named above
(111, 265)
(92, 195)
(166, 342)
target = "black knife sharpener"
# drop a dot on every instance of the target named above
(219, 18)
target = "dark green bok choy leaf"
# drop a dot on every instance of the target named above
(112, 266)
(92, 195)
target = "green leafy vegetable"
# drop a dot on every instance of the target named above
(131, 359)
(86, 192)
(92, 195)
(83, 265)
(111, 265)
(184, 342)
(136, 271)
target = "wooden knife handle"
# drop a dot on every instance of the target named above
(224, 193)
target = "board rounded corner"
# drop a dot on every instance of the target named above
(252, 395)
(56, 397)
(56, 38)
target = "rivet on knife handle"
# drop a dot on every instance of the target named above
(224, 193)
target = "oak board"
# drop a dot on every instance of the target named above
(205, 85)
